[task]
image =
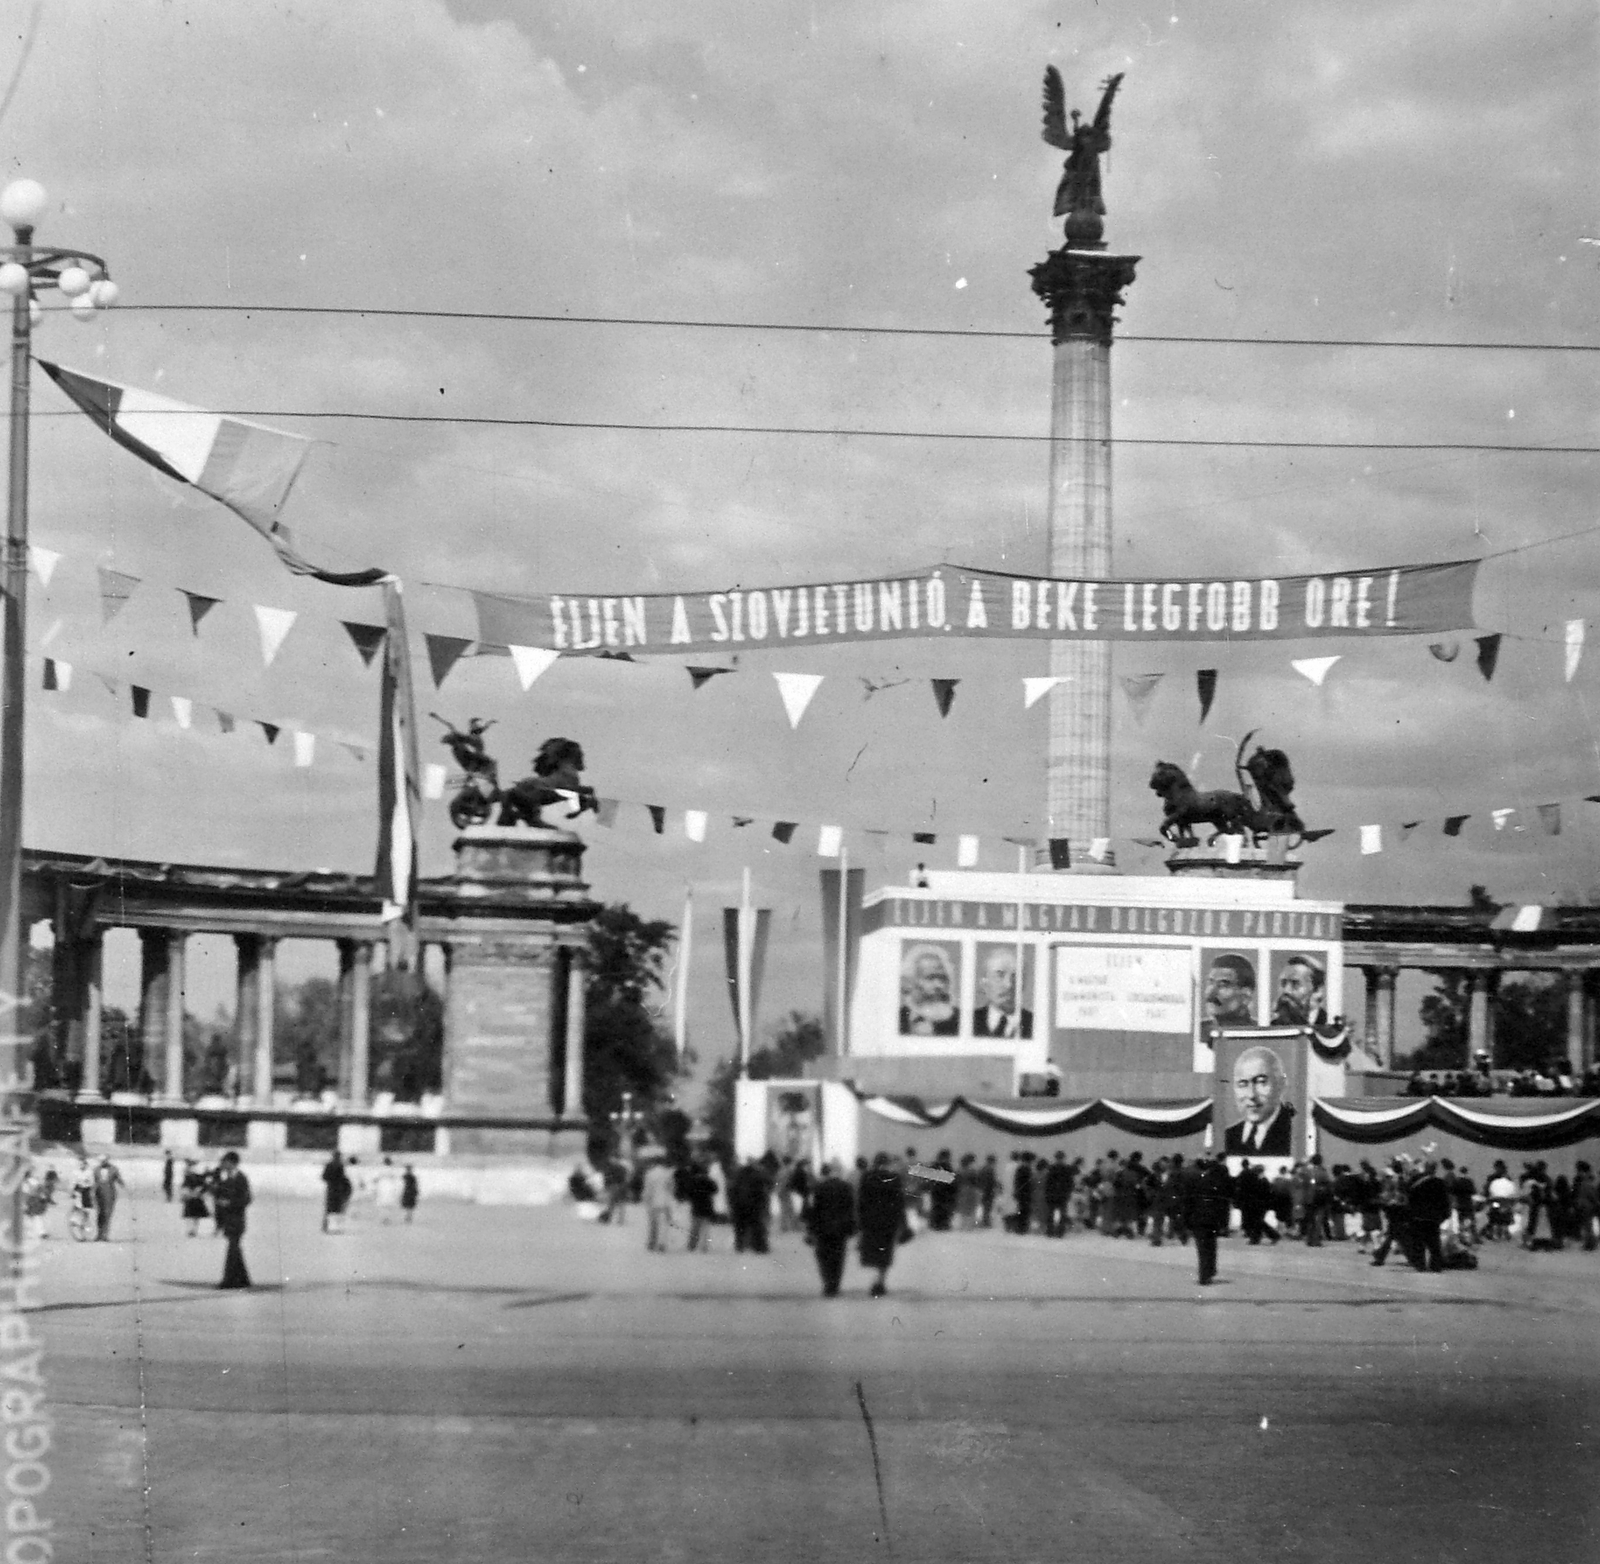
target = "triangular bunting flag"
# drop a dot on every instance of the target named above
(967, 852)
(925, 838)
(141, 700)
(1139, 687)
(944, 693)
(1372, 839)
(1316, 836)
(1500, 816)
(531, 661)
(783, 830)
(224, 719)
(616, 657)
(605, 812)
(113, 686)
(1550, 819)
(871, 687)
(115, 590)
(1488, 654)
(1574, 646)
(1445, 651)
(368, 639)
(1232, 848)
(433, 777)
(797, 690)
(49, 681)
(1205, 680)
(63, 675)
(1099, 849)
(701, 676)
(51, 633)
(829, 840)
(743, 820)
(355, 751)
(1033, 690)
(44, 562)
(694, 824)
(182, 710)
(1452, 826)
(1060, 853)
(199, 607)
(1408, 827)
(305, 748)
(1313, 668)
(658, 817)
(270, 729)
(274, 624)
(444, 652)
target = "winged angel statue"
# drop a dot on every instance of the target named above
(1078, 196)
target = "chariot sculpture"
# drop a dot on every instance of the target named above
(1262, 807)
(557, 778)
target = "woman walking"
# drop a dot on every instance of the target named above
(880, 1211)
(195, 1210)
(231, 1194)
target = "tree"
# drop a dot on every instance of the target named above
(1444, 1023)
(625, 1047)
(797, 1040)
(407, 1049)
(306, 1032)
(1530, 1020)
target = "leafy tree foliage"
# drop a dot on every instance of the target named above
(626, 1049)
(797, 1040)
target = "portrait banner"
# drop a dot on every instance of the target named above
(930, 988)
(952, 601)
(1260, 1097)
(1001, 1007)
(1229, 987)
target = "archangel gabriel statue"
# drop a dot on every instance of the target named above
(1078, 196)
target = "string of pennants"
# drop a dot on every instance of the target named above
(796, 690)
(146, 704)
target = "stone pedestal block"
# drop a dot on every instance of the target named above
(266, 1135)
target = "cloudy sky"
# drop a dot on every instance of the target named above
(1397, 173)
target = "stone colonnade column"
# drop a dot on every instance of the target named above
(577, 999)
(90, 1002)
(355, 1019)
(1480, 1029)
(1387, 977)
(266, 1003)
(1082, 289)
(154, 954)
(254, 1004)
(172, 1074)
(1575, 1023)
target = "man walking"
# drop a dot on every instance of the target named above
(658, 1201)
(1207, 1195)
(880, 1211)
(107, 1181)
(831, 1220)
(230, 1195)
(168, 1172)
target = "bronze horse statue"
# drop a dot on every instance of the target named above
(1270, 813)
(557, 777)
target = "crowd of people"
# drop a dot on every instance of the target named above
(1430, 1210)
(1484, 1082)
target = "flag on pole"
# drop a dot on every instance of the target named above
(399, 791)
(744, 944)
(841, 945)
(1574, 646)
(246, 466)
(680, 993)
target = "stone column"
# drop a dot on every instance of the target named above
(577, 998)
(266, 998)
(154, 984)
(1082, 289)
(1370, 1035)
(247, 986)
(1479, 1036)
(172, 1074)
(1575, 1023)
(355, 1018)
(1387, 977)
(91, 958)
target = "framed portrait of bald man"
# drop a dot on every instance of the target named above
(1259, 1102)
(1003, 1005)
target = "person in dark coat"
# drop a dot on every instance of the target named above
(1429, 1206)
(195, 1210)
(880, 1210)
(831, 1223)
(749, 1202)
(1254, 1194)
(1207, 1201)
(231, 1195)
(988, 1188)
(409, 1191)
(701, 1194)
(1057, 1194)
(942, 1198)
(1022, 1193)
(168, 1173)
(335, 1195)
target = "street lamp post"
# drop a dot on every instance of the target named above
(25, 270)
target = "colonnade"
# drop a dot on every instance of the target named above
(1582, 1010)
(78, 982)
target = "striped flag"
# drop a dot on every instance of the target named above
(246, 466)
(744, 944)
(399, 792)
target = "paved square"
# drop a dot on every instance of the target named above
(515, 1384)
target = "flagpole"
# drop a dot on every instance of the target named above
(844, 952)
(680, 1008)
(746, 954)
(1022, 869)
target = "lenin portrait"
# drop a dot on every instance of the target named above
(1265, 1126)
(929, 989)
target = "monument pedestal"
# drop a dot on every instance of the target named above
(1251, 863)
(513, 1011)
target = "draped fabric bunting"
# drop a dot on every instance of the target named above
(952, 600)
(1373, 1121)
(399, 785)
(1205, 680)
(246, 466)
(1159, 1120)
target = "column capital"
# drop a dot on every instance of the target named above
(1082, 289)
